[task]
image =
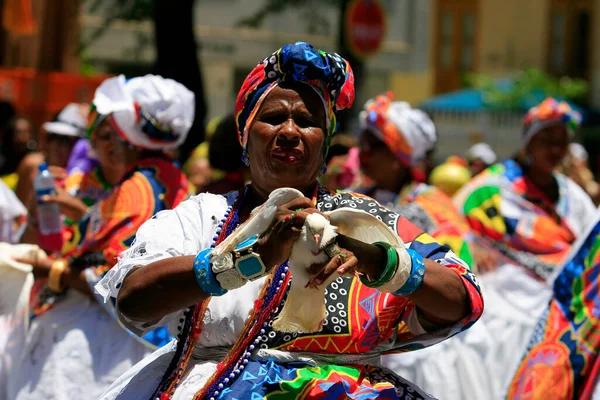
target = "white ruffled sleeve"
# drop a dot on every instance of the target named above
(185, 230)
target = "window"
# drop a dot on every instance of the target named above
(569, 37)
(446, 40)
(456, 42)
(468, 30)
(557, 38)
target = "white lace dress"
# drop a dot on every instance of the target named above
(224, 318)
(74, 351)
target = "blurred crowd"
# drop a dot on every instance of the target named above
(113, 172)
(216, 165)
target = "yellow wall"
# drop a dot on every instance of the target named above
(512, 34)
(412, 87)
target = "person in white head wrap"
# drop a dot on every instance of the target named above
(394, 138)
(73, 349)
(480, 156)
(150, 112)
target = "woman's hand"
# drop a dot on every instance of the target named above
(485, 260)
(355, 257)
(276, 247)
(41, 266)
(70, 206)
(58, 173)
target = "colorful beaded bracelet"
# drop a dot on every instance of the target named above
(205, 276)
(417, 273)
(390, 267)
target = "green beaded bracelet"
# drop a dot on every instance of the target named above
(390, 267)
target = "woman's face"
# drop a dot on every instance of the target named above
(59, 148)
(376, 160)
(109, 150)
(548, 148)
(285, 144)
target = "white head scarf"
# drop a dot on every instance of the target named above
(150, 112)
(483, 151)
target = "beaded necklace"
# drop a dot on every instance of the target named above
(190, 325)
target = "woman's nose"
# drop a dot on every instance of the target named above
(289, 132)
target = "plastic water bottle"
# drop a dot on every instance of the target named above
(48, 214)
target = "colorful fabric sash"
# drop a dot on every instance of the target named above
(504, 206)
(448, 226)
(562, 358)
(153, 185)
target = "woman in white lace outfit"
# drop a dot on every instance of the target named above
(71, 346)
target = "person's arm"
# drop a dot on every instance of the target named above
(69, 278)
(172, 277)
(161, 287)
(27, 171)
(441, 297)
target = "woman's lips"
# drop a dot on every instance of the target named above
(289, 156)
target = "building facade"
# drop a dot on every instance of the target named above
(229, 50)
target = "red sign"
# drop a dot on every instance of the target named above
(365, 27)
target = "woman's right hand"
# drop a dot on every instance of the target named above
(70, 206)
(275, 247)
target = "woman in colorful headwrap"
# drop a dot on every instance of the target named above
(72, 348)
(226, 348)
(394, 138)
(528, 216)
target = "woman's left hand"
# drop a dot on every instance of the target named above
(41, 266)
(344, 263)
(355, 257)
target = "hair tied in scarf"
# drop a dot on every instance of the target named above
(407, 132)
(149, 112)
(548, 113)
(328, 74)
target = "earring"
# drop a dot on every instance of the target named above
(323, 169)
(245, 158)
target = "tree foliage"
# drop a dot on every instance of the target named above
(528, 86)
(112, 10)
(316, 23)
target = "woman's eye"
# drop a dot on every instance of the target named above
(305, 122)
(274, 119)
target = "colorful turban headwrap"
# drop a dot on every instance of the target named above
(548, 113)
(408, 133)
(148, 112)
(327, 73)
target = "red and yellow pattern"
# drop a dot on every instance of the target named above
(563, 361)
(153, 185)
(449, 227)
(502, 205)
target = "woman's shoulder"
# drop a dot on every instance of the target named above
(207, 199)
